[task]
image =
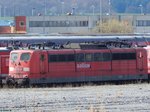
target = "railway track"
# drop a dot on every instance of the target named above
(106, 98)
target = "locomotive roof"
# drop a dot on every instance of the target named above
(119, 44)
(5, 49)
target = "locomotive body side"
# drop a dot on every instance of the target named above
(4, 63)
(78, 65)
(129, 64)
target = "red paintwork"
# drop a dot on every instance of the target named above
(4, 62)
(20, 24)
(5, 29)
(43, 69)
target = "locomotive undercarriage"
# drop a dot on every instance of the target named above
(74, 84)
(14, 83)
(26, 82)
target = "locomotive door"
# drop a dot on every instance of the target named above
(43, 64)
(4, 62)
(140, 60)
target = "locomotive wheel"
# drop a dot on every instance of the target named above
(139, 81)
(26, 83)
(10, 83)
(16, 85)
(1, 84)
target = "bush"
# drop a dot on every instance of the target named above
(114, 26)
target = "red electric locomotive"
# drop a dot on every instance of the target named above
(90, 62)
(4, 63)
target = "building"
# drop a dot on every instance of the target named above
(142, 24)
(82, 24)
(60, 24)
(12, 25)
(71, 24)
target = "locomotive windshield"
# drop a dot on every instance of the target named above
(25, 56)
(14, 56)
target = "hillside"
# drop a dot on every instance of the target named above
(57, 7)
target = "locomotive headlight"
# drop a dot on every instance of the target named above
(11, 69)
(26, 69)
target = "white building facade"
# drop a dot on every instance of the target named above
(81, 24)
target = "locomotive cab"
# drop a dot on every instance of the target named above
(27, 64)
(19, 66)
